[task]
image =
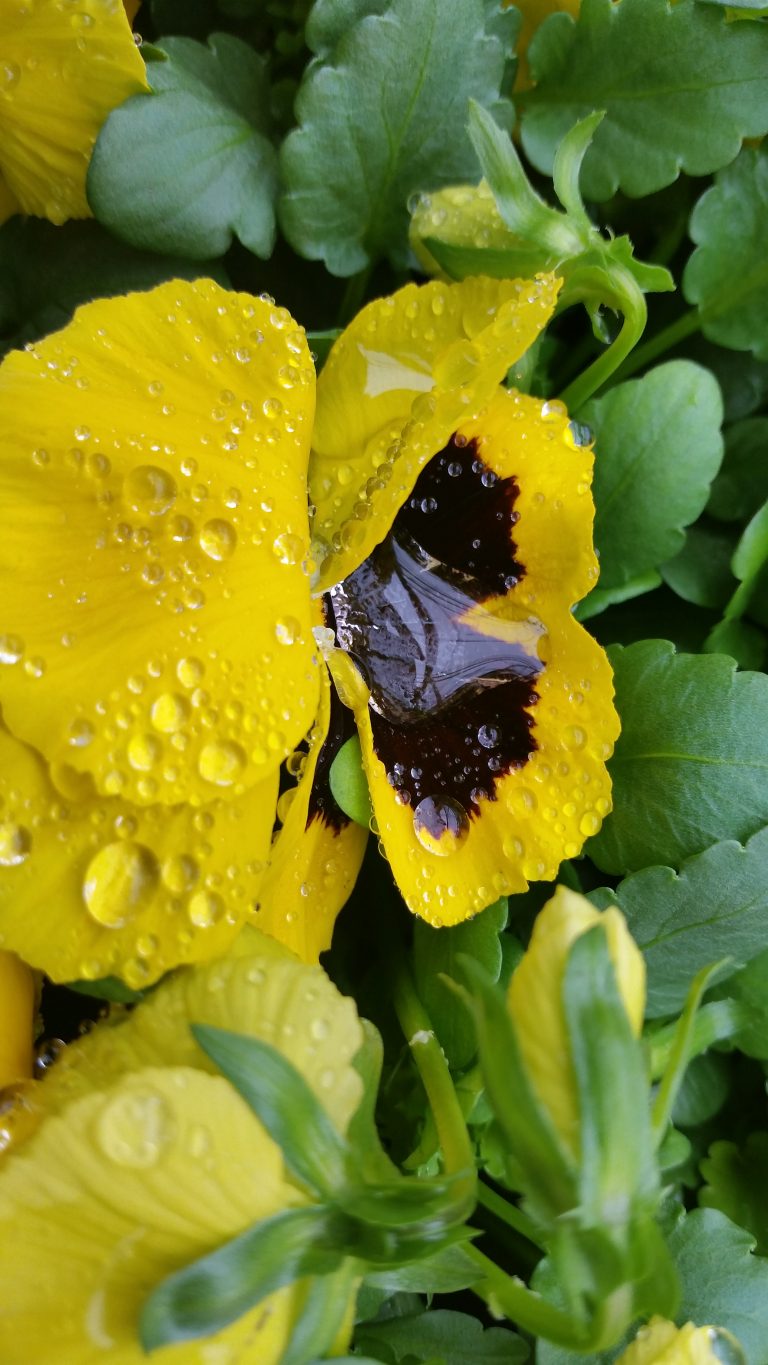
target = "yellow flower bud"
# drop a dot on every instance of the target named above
(535, 999)
(662, 1343)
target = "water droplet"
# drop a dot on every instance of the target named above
(9, 76)
(218, 539)
(133, 1128)
(488, 736)
(221, 763)
(287, 630)
(205, 909)
(440, 824)
(149, 490)
(589, 823)
(575, 737)
(189, 672)
(179, 873)
(319, 1029)
(15, 843)
(11, 649)
(143, 752)
(553, 410)
(119, 881)
(288, 548)
(169, 712)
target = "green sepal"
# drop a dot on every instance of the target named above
(212, 1292)
(617, 1168)
(283, 1102)
(549, 1175)
(322, 1315)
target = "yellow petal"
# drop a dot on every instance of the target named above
(468, 216)
(154, 517)
(17, 1019)
(259, 989)
(401, 378)
(317, 854)
(91, 886)
(125, 1187)
(479, 788)
(535, 999)
(64, 68)
(662, 1343)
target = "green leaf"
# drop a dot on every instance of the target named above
(716, 907)
(742, 483)
(727, 275)
(658, 447)
(329, 20)
(283, 1102)
(744, 642)
(749, 990)
(752, 550)
(691, 763)
(680, 88)
(434, 954)
(701, 571)
(323, 1314)
(445, 1336)
(617, 1166)
(737, 1184)
(703, 1091)
(107, 988)
(348, 783)
(722, 1282)
(186, 168)
(218, 1289)
(445, 1272)
(386, 119)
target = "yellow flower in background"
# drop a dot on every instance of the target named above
(662, 1343)
(535, 1002)
(64, 65)
(160, 655)
(17, 1020)
(145, 1159)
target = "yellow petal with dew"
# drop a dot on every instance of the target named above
(18, 993)
(153, 484)
(467, 216)
(535, 1000)
(316, 855)
(462, 818)
(91, 886)
(405, 374)
(64, 67)
(259, 989)
(662, 1343)
(125, 1187)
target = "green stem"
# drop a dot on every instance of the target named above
(714, 1023)
(601, 369)
(508, 1213)
(353, 295)
(663, 341)
(458, 1155)
(522, 1305)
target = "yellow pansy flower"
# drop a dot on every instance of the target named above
(534, 999)
(65, 65)
(662, 1343)
(160, 654)
(145, 1158)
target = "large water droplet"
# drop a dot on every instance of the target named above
(15, 843)
(189, 672)
(221, 763)
(11, 649)
(81, 733)
(179, 873)
(134, 1128)
(287, 630)
(288, 548)
(149, 490)
(120, 880)
(143, 752)
(205, 909)
(218, 539)
(169, 712)
(440, 824)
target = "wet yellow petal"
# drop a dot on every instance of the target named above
(17, 1019)
(401, 378)
(65, 66)
(92, 886)
(128, 1185)
(535, 999)
(154, 517)
(455, 848)
(467, 216)
(260, 989)
(316, 856)
(662, 1343)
